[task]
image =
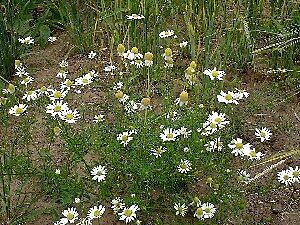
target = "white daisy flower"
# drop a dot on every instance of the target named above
(181, 209)
(241, 94)
(27, 80)
(294, 174)
(131, 107)
(264, 134)
(169, 134)
(183, 44)
(138, 63)
(63, 64)
(92, 55)
(228, 98)
(70, 116)
(84, 80)
(285, 177)
(110, 69)
(31, 95)
(96, 212)
(62, 74)
(66, 85)
(28, 40)
(10, 89)
(243, 176)
(185, 132)
(183, 99)
(57, 95)
(133, 54)
(21, 71)
(196, 202)
(118, 85)
(214, 123)
(184, 166)
(209, 210)
(238, 148)
(215, 145)
(148, 59)
(99, 173)
(70, 215)
(157, 152)
(135, 17)
(199, 214)
(252, 154)
(214, 74)
(56, 108)
(128, 214)
(117, 204)
(52, 39)
(167, 33)
(125, 137)
(98, 118)
(44, 91)
(17, 110)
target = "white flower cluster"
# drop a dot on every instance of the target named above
(238, 148)
(214, 123)
(289, 176)
(201, 210)
(126, 214)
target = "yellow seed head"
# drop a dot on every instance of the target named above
(239, 145)
(215, 73)
(11, 88)
(199, 211)
(19, 110)
(119, 94)
(121, 48)
(43, 89)
(168, 52)
(135, 50)
(56, 130)
(209, 180)
(148, 56)
(17, 62)
(193, 64)
(184, 96)
(146, 101)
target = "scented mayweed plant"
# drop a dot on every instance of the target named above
(144, 138)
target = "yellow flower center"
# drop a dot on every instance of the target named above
(85, 81)
(127, 212)
(69, 116)
(11, 88)
(169, 61)
(149, 56)
(121, 48)
(43, 89)
(199, 211)
(168, 52)
(57, 108)
(207, 210)
(296, 174)
(286, 177)
(215, 73)
(252, 153)
(57, 94)
(17, 62)
(19, 110)
(69, 83)
(97, 213)
(135, 50)
(213, 125)
(239, 145)
(184, 96)
(119, 94)
(169, 136)
(56, 130)
(228, 97)
(124, 137)
(218, 120)
(193, 65)
(29, 92)
(263, 134)
(145, 101)
(70, 216)
(183, 166)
